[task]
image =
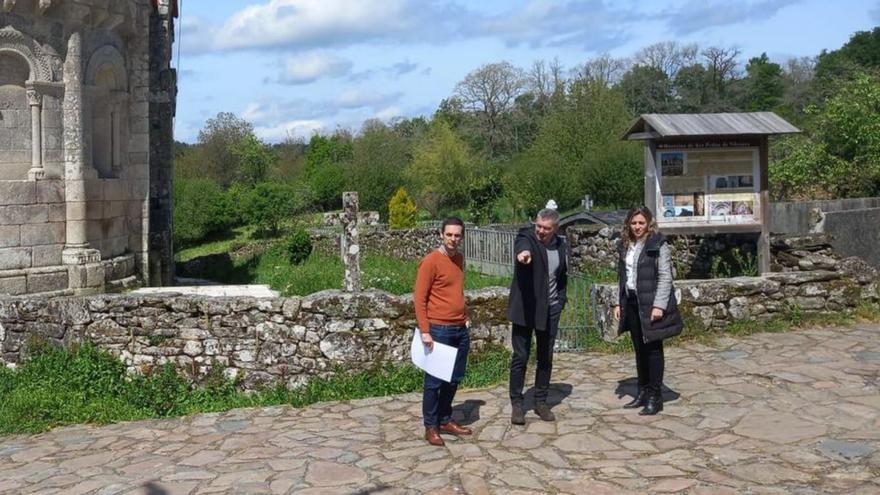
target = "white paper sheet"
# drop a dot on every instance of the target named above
(438, 362)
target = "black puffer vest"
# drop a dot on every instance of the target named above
(671, 323)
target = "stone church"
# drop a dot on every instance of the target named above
(87, 98)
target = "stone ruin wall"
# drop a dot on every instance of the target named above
(77, 148)
(266, 340)
(293, 339)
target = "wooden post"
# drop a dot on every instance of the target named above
(351, 252)
(764, 239)
(651, 177)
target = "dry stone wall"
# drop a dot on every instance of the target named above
(407, 244)
(837, 285)
(263, 341)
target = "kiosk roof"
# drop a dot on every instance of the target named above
(666, 125)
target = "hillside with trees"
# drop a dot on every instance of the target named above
(508, 138)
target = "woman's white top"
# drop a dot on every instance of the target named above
(632, 256)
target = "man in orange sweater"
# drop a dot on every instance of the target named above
(442, 317)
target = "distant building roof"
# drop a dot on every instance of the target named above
(665, 125)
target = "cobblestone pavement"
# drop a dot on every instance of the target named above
(774, 413)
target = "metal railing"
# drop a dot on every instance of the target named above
(489, 251)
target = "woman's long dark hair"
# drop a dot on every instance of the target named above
(626, 233)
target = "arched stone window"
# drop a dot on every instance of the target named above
(107, 85)
(15, 116)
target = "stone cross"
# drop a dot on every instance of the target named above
(351, 250)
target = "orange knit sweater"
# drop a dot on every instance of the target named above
(439, 291)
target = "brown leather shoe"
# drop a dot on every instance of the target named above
(432, 435)
(455, 429)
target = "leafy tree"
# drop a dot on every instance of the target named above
(842, 157)
(441, 169)
(862, 51)
(199, 210)
(401, 210)
(254, 159)
(693, 90)
(291, 153)
(615, 177)
(561, 162)
(850, 121)
(270, 204)
(379, 156)
(217, 142)
(324, 171)
(646, 90)
(485, 189)
(763, 85)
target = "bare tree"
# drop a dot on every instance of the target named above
(604, 69)
(490, 92)
(666, 56)
(540, 80)
(800, 70)
(721, 64)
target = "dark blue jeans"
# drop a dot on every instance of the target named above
(438, 395)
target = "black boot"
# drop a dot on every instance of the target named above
(640, 400)
(653, 405)
(517, 414)
(542, 410)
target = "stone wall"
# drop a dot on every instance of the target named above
(407, 244)
(833, 286)
(705, 256)
(267, 340)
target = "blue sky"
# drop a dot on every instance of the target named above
(295, 67)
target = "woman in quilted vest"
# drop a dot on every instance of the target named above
(646, 307)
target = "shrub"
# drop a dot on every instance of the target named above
(401, 211)
(297, 246)
(269, 204)
(199, 210)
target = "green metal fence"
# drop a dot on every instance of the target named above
(574, 323)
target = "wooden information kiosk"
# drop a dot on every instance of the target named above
(707, 173)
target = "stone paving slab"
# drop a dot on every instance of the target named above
(769, 414)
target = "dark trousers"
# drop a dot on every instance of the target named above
(521, 341)
(649, 356)
(438, 395)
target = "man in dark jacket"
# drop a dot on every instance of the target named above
(537, 296)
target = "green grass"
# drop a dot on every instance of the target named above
(320, 271)
(225, 243)
(85, 385)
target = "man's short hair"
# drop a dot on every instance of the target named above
(549, 214)
(451, 221)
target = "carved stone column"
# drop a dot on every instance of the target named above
(86, 274)
(351, 251)
(35, 100)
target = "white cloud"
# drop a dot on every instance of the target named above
(358, 98)
(389, 113)
(308, 67)
(269, 112)
(291, 129)
(589, 23)
(297, 25)
(302, 24)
